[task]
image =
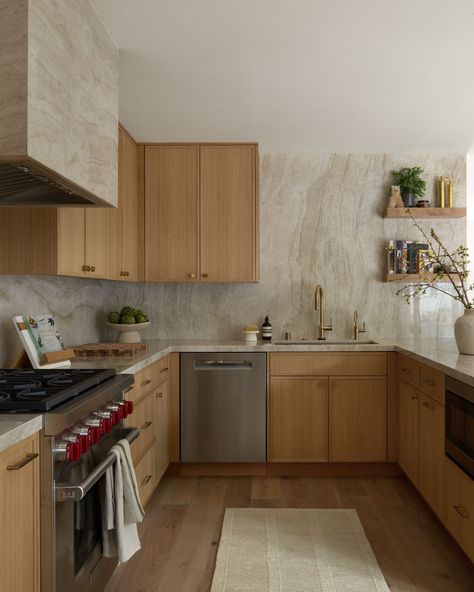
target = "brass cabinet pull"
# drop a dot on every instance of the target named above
(130, 388)
(413, 397)
(92, 268)
(146, 479)
(28, 458)
(429, 382)
(462, 511)
(146, 382)
(159, 395)
(164, 370)
(86, 268)
(404, 369)
(192, 276)
(204, 275)
(146, 425)
(428, 405)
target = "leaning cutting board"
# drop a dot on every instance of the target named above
(100, 350)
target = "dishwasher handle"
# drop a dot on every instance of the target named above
(223, 365)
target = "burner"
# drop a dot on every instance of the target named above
(4, 396)
(31, 395)
(20, 384)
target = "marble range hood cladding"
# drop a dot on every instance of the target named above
(58, 105)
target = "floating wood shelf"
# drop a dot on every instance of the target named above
(421, 213)
(413, 278)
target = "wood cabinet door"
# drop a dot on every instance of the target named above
(96, 242)
(298, 419)
(171, 213)
(408, 430)
(19, 517)
(460, 507)
(431, 457)
(161, 429)
(125, 223)
(358, 419)
(228, 213)
(71, 241)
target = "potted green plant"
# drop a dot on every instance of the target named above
(412, 186)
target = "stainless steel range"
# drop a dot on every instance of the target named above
(84, 413)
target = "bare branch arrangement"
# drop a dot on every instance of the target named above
(453, 265)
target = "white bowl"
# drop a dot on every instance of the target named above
(129, 333)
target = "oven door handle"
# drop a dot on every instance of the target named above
(74, 492)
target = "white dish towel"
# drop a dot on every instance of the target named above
(121, 506)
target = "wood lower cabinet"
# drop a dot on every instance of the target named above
(19, 517)
(125, 251)
(460, 507)
(358, 419)
(162, 429)
(201, 213)
(146, 475)
(298, 425)
(408, 430)
(431, 457)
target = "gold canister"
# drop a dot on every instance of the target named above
(450, 192)
(441, 195)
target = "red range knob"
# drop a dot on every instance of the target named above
(73, 452)
(94, 435)
(114, 417)
(84, 442)
(129, 406)
(124, 409)
(106, 425)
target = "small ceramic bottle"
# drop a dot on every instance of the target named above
(267, 330)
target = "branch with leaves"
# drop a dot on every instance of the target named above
(452, 265)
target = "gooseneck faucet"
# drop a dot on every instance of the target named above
(320, 305)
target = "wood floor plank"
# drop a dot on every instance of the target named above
(184, 518)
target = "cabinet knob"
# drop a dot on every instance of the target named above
(92, 268)
(204, 275)
(86, 268)
(192, 276)
(159, 395)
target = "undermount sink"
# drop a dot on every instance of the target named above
(325, 342)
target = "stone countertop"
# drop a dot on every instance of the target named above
(441, 354)
(14, 428)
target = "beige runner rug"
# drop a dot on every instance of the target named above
(289, 550)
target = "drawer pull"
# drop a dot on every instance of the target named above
(159, 395)
(146, 425)
(412, 396)
(92, 268)
(429, 382)
(404, 369)
(164, 370)
(28, 458)
(130, 388)
(146, 383)
(428, 405)
(461, 510)
(146, 479)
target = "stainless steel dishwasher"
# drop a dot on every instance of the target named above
(223, 407)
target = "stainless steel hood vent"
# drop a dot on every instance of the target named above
(21, 185)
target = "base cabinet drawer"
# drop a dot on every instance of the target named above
(143, 419)
(408, 370)
(460, 507)
(146, 475)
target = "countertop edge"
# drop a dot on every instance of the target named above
(19, 432)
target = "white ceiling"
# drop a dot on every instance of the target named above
(298, 75)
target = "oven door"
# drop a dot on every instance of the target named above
(80, 565)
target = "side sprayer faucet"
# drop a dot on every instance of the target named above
(357, 328)
(319, 305)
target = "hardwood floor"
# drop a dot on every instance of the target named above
(181, 531)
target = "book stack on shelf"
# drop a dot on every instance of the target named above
(408, 257)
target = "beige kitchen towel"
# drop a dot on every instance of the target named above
(295, 550)
(121, 506)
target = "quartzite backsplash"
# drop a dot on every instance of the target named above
(320, 222)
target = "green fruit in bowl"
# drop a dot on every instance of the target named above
(141, 318)
(114, 317)
(127, 319)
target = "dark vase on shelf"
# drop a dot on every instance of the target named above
(409, 199)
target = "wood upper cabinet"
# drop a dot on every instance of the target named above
(408, 430)
(201, 213)
(228, 213)
(432, 460)
(460, 507)
(171, 213)
(298, 425)
(125, 224)
(19, 516)
(358, 419)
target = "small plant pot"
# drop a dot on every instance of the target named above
(409, 199)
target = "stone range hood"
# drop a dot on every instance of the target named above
(58, 105)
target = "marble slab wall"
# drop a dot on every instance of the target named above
(321, 222)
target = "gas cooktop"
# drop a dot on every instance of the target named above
(26, 389)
